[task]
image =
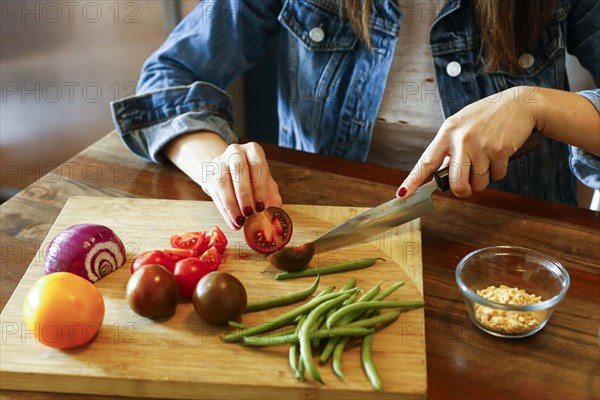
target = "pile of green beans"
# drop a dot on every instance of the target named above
(331, 317)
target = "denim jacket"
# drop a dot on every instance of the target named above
(330, 84)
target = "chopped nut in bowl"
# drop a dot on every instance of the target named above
(511, 291)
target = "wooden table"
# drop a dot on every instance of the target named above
(561, 362)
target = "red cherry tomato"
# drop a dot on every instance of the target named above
(179, 254)
(189, 240)
(188, 273)
(217, 238)
(269, 230)
(153, 257)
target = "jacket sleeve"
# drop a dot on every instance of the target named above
(182, 85)
(583, 41)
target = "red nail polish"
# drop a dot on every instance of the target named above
(401, 192)
(248, 211)
(240, 221)
(260, 206)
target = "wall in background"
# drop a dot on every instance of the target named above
(61, 64)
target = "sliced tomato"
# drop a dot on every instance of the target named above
(189, 240)
(269, 230)
(212, 258)
(179, 254)
(152, 257)
(216, 238)
(188, 273)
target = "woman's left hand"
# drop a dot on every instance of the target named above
(477, 142)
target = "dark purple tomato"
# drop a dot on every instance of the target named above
(293, 258)
(220, 297)
(152, 291)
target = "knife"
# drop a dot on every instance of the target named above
(386, 216)
(397, 211)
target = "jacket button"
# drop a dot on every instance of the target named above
(526, 60)
(316, 35)
(453, 69)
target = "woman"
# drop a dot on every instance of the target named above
(338, 59)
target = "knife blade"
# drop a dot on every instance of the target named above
(386, 216)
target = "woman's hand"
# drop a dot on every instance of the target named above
(237, 177)
(476, 143)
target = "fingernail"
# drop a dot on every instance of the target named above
(401, 192)
(248, 211)
(260, 206)
(240, 220)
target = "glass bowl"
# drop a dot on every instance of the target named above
(511, 270)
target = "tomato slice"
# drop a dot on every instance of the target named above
(212, 258)
(269, 230)
(188, 273)
(179, 254)
(189, 240)
(153, 257)
(217, 239)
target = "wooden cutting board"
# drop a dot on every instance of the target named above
(184, 357)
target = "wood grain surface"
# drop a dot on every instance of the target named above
(560, 362)
(184, 357)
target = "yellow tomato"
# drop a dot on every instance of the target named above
(63, 310)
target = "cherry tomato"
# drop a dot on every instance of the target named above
(189, 240)
(269, 230)
(153, 257)
(179, 254)
(217, 238)
(152, 291)
(63, 310)
(220, 297)
(212, 258)
(293, 258)
(188, 272)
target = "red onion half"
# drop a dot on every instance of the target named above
(88, 250)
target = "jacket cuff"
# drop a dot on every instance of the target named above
(147, 122)
(585, 165)
(593, 96)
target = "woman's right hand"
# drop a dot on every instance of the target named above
(237, 177)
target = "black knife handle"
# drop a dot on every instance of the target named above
(533, 142)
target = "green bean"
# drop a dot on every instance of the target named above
(234, 324)
(330, 346)
(327, 290)
(371, 305)
(304, 336)
(330, 269)
(349, 285)
(293, 357)
(373, 321)
(336, 361)
(293, 351)
(300, 373)
(386, 292)
(283, 300)
(368, 364)
(277, 340)
(283, 319)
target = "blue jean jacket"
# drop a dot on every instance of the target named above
(330, 85)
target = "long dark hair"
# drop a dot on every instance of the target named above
(508, 27)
